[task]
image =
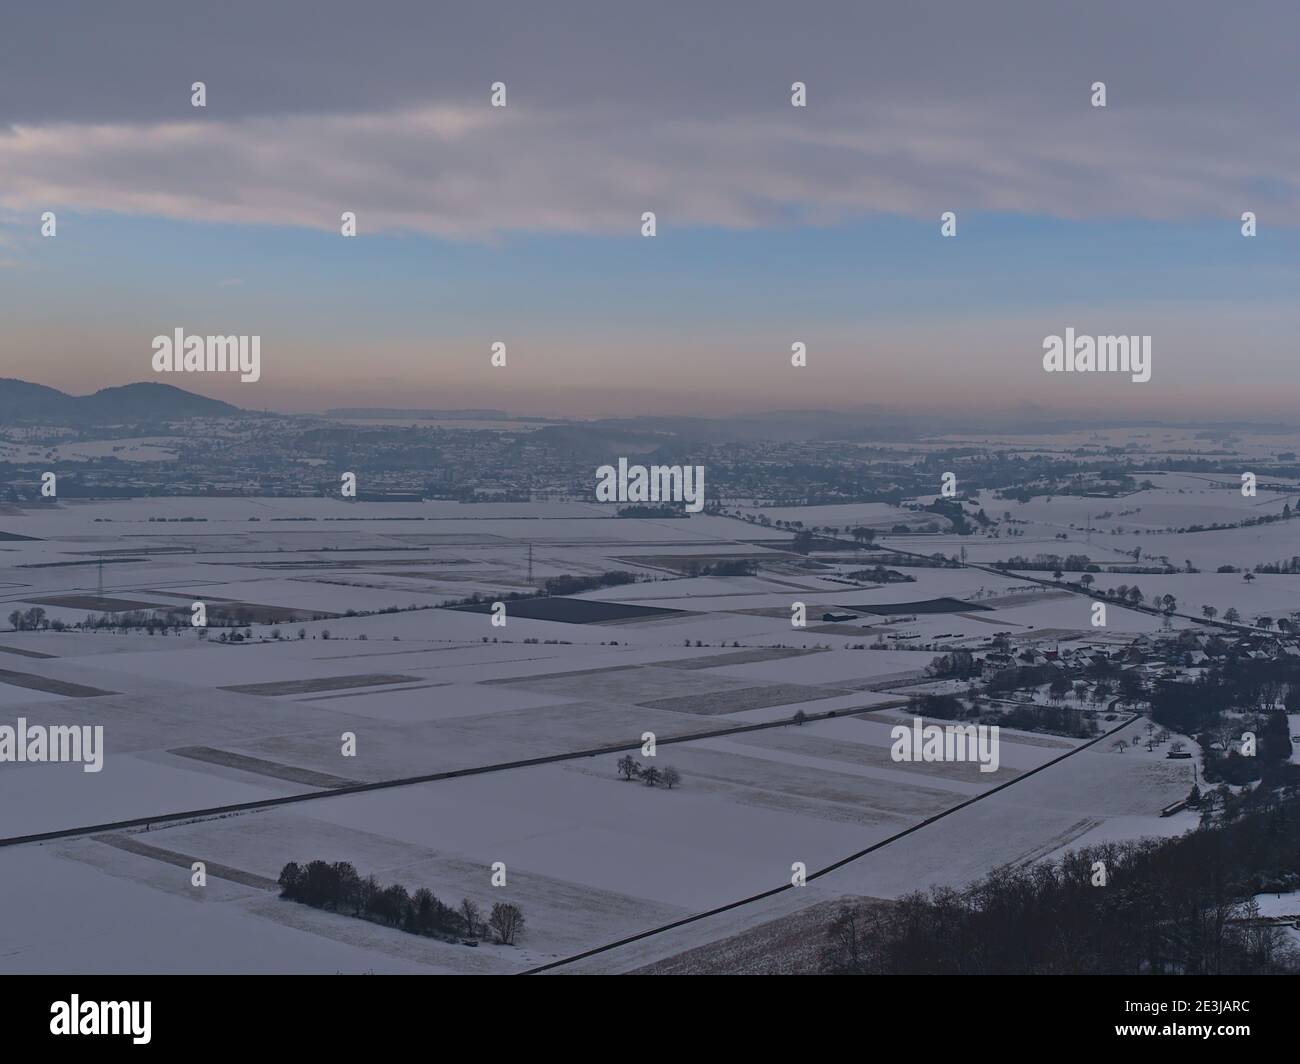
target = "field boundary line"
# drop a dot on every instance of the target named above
(641, 935)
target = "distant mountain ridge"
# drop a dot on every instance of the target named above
(142, 401)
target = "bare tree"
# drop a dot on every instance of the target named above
(507, 921)
(471, 914)
(628, 767)
(671, 777)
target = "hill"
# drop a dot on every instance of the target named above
(143, 401)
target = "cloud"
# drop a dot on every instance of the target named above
(473, 172)
(913, 109)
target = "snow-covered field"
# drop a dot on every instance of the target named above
(192, 723)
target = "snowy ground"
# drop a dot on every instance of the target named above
(190, 724)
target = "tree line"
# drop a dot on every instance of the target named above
(339, 888)
(631, 769)
(1173, 906)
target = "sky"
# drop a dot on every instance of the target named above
(775, 224)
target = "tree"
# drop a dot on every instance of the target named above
(506, 921)
(394, 905)
(368, 892)
(799, 716)
(1130, 688)
(671, 777)
(1209, 612)
(1232, 616)
(424, 906)
(290, 880)
(1087, 580)
(348, 887)
(471, 914)
(628, 767)
(848, 937)
(651, 776)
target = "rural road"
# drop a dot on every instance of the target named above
(432, 777)
(641, 936)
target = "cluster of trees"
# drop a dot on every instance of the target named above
(162, 622)
(1056, 720)
(1235, 696)
(937, 560)
(1127, 686)
(1249, 522)
(736, 567)
(1132, 595)
(631, 769)
(880, 575)
(1113, 482)
(860, 534)
(165, 621)
(951, 509)
(1174, 906)
(1233, 617)
(937, 707)
(573, 585)
(1071, 563)
(32, 620)
(1290, 566)
(556, 585)
(959, 665)
(338, 888)
(804, 541)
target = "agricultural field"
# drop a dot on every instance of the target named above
(500, 743)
